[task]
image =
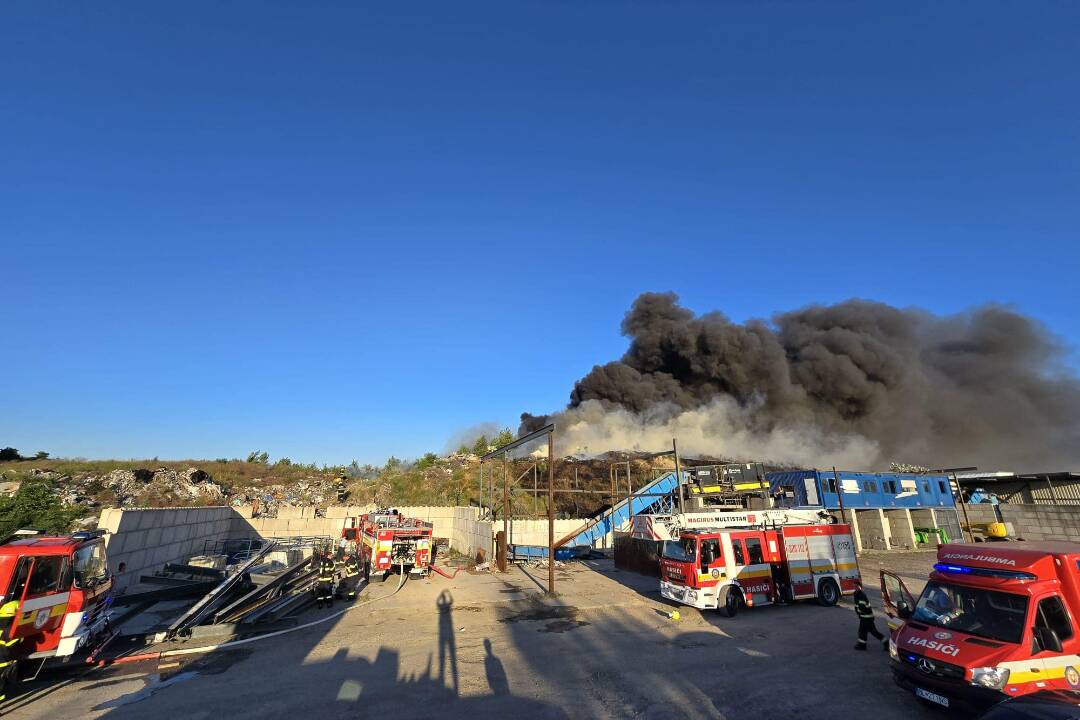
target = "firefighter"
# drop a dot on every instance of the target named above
(7, 647)
(339, 571)
(866, 619)
(352, 576)
(339, 485)
(324, 584)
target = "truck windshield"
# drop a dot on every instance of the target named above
(90, 566)
(986, 613)
(680, 550)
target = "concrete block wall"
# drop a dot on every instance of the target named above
(947, 519)
(873, 529)
(1042, 522)
(287, 527)
(441, 518)
(143, 540)
(472, 535)
(535, 532)
(901, 534)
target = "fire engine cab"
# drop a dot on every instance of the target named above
(55, 593)
(729, 569)
(388, 541)
(993, 621)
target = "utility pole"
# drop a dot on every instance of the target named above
(506, 498)
(678, 475)
(551, 513)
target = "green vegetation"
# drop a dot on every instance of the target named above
(35, 506)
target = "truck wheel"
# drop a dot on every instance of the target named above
(728, 602)
(828, 593)
(385, 575)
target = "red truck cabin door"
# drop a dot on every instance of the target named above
(711, 567)
(44, 595)
(754, 573)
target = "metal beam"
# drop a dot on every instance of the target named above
(519, 442)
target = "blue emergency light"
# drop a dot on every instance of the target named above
(984, 572)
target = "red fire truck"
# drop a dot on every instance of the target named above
(729, 569)
(55, 595)
(387, 541)
(993, 621)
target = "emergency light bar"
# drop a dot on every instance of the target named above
(984, 572)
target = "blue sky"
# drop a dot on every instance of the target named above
(346, 230)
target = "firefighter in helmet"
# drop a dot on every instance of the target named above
(324, 582)
(7, 646)
(352, 576)
(339, 485)
(866, 619)
(339, 570)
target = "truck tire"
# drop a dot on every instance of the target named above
(828, 592)
(729, 601)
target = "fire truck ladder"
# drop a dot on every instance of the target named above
(657, 493)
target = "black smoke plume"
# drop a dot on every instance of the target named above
(858, 384)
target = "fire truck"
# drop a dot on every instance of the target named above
(712, 568)
(387, 541)
(55, 594)
(993, 621)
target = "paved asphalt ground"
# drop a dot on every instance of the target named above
(487, 645)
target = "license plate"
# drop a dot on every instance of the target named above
(932, 697)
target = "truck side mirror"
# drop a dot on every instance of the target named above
(903, 610)
(1046, 639)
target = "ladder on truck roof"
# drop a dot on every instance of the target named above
(659, 492)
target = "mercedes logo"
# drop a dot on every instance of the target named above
(926, 666)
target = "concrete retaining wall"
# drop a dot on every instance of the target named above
(287, 527)
(1033, 522)
(535, 532)
(144, 540)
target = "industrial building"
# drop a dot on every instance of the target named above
(885, 510)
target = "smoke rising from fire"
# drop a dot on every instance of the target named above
(857, 384)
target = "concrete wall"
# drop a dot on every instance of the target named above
(873, 529)
(145, 539)
(460, 525)
(287, 527)
(1033, 522)
(901, 533)
(535, 532)
(472, 536)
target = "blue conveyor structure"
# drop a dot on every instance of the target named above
(656, 493)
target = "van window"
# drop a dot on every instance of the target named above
(1051, 614)
(753, 551)
(737, 552)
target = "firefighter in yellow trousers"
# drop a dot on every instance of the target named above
(352, 576)
(324, 582)
(7, 647)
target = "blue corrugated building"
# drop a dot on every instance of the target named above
(886, 510)
(818, 488)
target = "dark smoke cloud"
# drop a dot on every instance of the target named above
(868, 381)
